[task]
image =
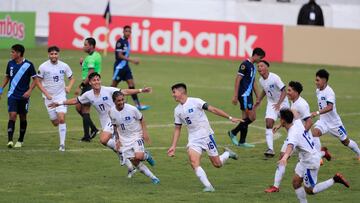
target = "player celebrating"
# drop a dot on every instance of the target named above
(330, 120)
(275, 91)
(130, 130)
(19, 71)
(122, 69)
(52, 75)
(244, 85)
(307, 168)
(190, 111)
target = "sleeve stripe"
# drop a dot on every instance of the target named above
(77, 98)
(178, 123)
(241, 74)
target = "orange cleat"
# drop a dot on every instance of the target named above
(327, 155)
(272, 189)
(339, 178)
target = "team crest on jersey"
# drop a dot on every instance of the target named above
(127, 118)
(191, 110)
(242, 67)
(105, 98)
(272, 86)
(323, 98)
(62, 71)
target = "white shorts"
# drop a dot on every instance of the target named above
(309, 175)
(109, 128)
(54, 111)
(338, 132)
(128, 151)
(272, 113)
(207, 144)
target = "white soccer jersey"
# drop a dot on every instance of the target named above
(193, 116)
(53, 77)
(325, 96)
(127, 122)
(302, 108)
(303, 143)
(272, 87)
(102, 103)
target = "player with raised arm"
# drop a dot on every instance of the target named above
(330, 120)
(301, 111)
(245, 84)
(52, 75)
(275, 91)
(191, 112)
(306, 170)
(129, 127)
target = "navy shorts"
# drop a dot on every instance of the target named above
(122, 74)
(246, 102)
(20, 106)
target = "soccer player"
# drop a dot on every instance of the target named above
(122, 69)
(129, 127)
(92, 63)
(275, 91)
(306, 170)
(301, 111)
(19, 72)
(190, 111)
(245, 84)
(330, 120)
(52, 75)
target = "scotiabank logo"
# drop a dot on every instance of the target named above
(169, 36)
(12, 29)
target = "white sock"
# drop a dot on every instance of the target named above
(323, 186)
(269, 138)
(224, 157)
(129, 165)
(62, 133)
(353, 146)
(279, 174)
(200, 173)
(111, 144)
(301, 195)
(317, 143)
(146, 155)
(145, 170)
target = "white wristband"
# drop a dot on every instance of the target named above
(140, 90)
(318, 113)
(61, 103)
(230, 118)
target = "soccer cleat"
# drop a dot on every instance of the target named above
(272, 189)
(233, 138)
(155, 180)
(327, 155)
(143, 107)
(269, 153)
(93, 134)
(209, 189)
(62, 148)
(131, 173)
(150, 160)
(246, 145)
(10, 144)
(18, 144)
(232, 154)
(339, 178)
(85, 139)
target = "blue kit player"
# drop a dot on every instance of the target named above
(244, 86)
(122, 69)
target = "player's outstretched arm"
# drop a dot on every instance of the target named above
(127, 92)
(329, 107)
(70, 85)
(176, 135)
(72, 101)
(222, 113)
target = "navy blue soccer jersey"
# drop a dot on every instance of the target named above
(248, 71)
(122, 46)
(20, 76)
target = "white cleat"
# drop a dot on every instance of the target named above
(18, 144)
(131, 173)
(232, 154)
(209, 189)
(62, 148)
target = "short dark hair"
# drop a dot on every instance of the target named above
(91, 41)
(53, 48)
(93, 74)
(19, 48)
(297, 86)
(127, 26)
(267, 63)
(258, 51)
(116, 94)
(322, 73)
(287, 115)
(179, 85)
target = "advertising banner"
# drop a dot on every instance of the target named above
(17, 28)
(210, 39)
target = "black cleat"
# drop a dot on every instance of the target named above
(85, 139)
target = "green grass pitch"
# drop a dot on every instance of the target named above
(88, 172)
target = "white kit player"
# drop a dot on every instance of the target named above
(190, 112)
(52, 75)
(306, 170)
(329, 119)
(301, 111)
(275, 91)
(100, 98)
(130, 131)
